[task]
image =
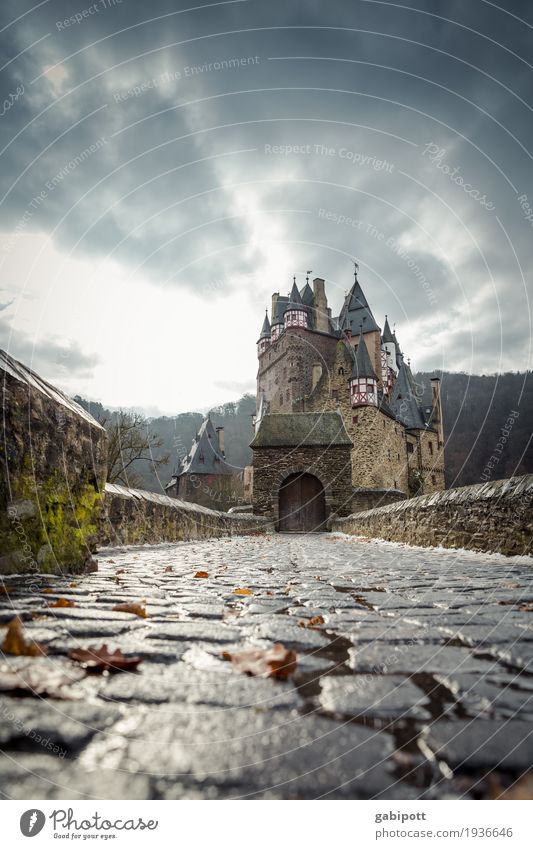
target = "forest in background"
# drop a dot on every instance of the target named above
(476, 408)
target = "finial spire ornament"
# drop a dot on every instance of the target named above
(308, 273)
(355, 269)
(294, 278)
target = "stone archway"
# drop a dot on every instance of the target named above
(301, 504)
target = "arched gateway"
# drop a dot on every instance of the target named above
(302, 504)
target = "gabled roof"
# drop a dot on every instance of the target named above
(307, 296)
(387, 335)
(287, 430)
(362, 364)
(404, 401)
(204, 457)
(358, 312)
(265, 330)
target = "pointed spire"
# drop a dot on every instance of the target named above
(265, 330)
(295, 301)
(387, 335)
(362, 365)
(357, 308)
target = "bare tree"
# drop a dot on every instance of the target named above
(130, 438)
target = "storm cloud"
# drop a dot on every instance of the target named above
(220, 150)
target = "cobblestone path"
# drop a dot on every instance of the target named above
(418, 685)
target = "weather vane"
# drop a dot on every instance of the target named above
(308, 273)
(355, 268)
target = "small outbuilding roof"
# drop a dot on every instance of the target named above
(287, 430)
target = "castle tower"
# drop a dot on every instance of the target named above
(264, 338)
(363, 380)
(436, 412)
(356, 312)
(296, 313)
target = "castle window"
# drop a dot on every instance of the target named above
(430, 447)
(433, 479)
(355, 419)
(335, 394)
(395, 485)
(281, 399)
(384, 425)
(398, 456)
(341, 370)
(389, 453)
(410, 448)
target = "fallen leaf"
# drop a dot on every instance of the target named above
(100, 660)
(15, 642)
(202, 575)
(73, 584)
(137, 609)
(520, 790)
(6, 590)
(62, 602)
(119, 571)
(276, 662)
(168, 569)
(40, 678)
(312, 622)
(47, 590)
(242, 591)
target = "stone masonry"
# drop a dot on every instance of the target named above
(496, 516)
(54, 468)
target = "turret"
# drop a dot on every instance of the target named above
(389, 345)
(296, 313)
(363, 380)
(264, 339)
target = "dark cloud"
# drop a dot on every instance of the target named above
(148, 141)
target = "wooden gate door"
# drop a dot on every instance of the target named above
(302, 504)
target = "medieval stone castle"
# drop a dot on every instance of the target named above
(340, 422)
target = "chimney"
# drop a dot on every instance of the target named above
(220, 437)
(275, 297)
(320, 305)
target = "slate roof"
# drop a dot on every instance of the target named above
(281, 306)
(265, 330)
(204, 457)
(307, 295)
(287, 430)
(295, 301)
(387, 335)
(358, 312)
(362, 364)
(404, 401)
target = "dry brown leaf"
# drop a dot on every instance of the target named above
(39, 678)
(73, 584)
(312, 622)
(276, 662)
(62, 602)
(6, 589)
(119, 571)
(137, 609)
(242, 591)
(100, 660)
(16, 643)
(168, 569)
(520, 790)
(202, 575)
(47, 590)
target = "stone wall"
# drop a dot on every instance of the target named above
(496, 516)
(330, 464)
(369, 499)
(53, 457)
(133, 516)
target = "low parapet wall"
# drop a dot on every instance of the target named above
(134, 516)
(496, 516)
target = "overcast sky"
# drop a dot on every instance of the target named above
(165, 167)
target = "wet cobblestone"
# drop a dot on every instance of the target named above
(418, 683)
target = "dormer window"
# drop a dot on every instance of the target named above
(295, 318)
